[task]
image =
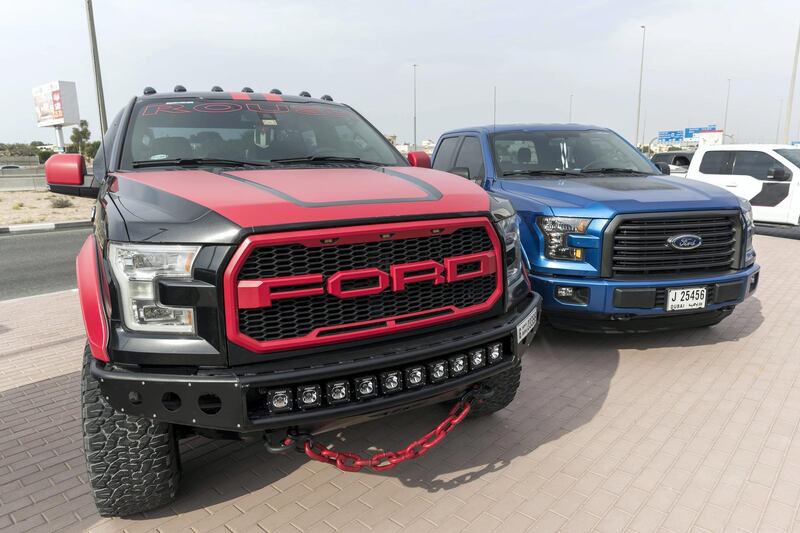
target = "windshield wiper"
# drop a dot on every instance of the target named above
(327, 159)
(540, 173)
(614, 170)
(198, 161)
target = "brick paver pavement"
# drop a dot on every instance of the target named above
(693, 430)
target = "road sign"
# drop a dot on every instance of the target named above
(688, 133)
(670, 136)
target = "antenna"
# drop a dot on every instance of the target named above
(494, 109)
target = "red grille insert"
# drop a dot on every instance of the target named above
(300, 289)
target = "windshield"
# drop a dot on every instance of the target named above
(792, 154)
(252, 132)
(524, 153)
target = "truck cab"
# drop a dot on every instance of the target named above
(610, 242)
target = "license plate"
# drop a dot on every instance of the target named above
(527, 325)
(686, 299)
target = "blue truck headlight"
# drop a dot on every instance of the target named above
(505, 218)
(137, 269)
(556, 230)
(749, 231)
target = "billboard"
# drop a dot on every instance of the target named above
(56, 104)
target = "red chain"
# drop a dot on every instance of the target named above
(352, 462)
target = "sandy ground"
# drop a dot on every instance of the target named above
(28, 207)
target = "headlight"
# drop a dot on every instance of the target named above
(505, 218)
(136, 269)
(556, 230)
(749, 231)
(747, 213)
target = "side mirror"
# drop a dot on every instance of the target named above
(419, 159)
(66, 174)
(460, 171)
(663, 167)
(777, 174)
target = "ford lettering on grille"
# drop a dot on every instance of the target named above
(308, 288)
(262, 293)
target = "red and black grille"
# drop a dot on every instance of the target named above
(309, 288)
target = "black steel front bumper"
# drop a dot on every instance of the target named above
(235, 400)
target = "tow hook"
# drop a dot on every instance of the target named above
(379, 462)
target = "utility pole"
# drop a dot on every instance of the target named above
(570, 107)
(778, 129)
(98, 79)
(414, 70)
(641, 75)
(788, 123)
(725, 118)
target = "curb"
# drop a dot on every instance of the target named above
(44, 227)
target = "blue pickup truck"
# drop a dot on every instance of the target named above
(611, 243)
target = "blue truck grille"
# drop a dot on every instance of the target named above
(640, 245)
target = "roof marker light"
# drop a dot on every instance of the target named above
(247, 90)
(305, 94)
(275, 91)
(179, 89)
(216, 89)
(149, 90)
(327, 98)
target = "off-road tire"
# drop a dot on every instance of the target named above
(133, 463)
(503, 387)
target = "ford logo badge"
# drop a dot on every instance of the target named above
(685, 242)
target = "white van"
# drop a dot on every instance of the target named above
(765, 174)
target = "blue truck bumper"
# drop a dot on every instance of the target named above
(640, 305)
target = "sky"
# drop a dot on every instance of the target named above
(537, 53)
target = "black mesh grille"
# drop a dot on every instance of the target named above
(640, 246)
(297, 317)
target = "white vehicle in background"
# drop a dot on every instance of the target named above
(765, 174)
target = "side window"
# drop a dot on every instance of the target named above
(471, 156)
(444, 155)
(756, 164)
(716, 162)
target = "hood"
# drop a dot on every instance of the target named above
(219, 206)
(607, 196)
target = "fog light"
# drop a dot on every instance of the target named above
(477, 358)
(366, 387)
(415, 376)
(458, 365)
(495, 352)
(572, 295)
(391, 381)
(279, 401)
(338, 392)
(437, 371)
(309, 396)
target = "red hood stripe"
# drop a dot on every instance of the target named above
(297, 196)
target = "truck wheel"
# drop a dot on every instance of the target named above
(503, 388)
(133, 463)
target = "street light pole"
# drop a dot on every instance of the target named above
(494, 109)
(780, 115)
(414, 70)
(98, 79)
(725, 118)
(788, 123)
(641, 75)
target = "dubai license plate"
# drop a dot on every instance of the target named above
(527, 325)
(686, 299)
